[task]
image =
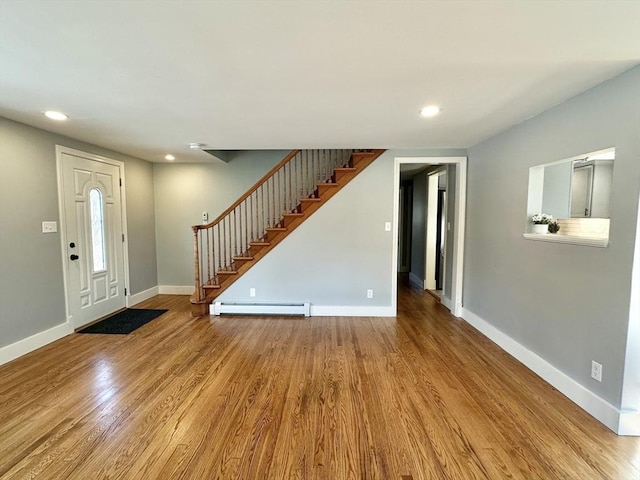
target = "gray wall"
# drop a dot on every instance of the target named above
(31, 281)
(404, 225)
(567, 303)
(141, 225)
(419, 225)
(184, 191)
(336, 255)
(451, 218)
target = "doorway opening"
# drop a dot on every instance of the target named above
(429, 217)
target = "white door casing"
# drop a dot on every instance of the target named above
(89, 187)
(431, 226)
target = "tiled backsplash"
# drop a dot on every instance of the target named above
(584, 227)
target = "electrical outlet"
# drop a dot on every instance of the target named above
(49, 227)
(369, 293)
(205, 216)
(596, 371)
(252, 292)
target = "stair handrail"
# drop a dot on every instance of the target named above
(246, 194)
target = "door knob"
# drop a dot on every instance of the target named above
(74, 257)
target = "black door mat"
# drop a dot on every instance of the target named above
(123, 322)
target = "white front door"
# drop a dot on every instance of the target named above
(93, 237)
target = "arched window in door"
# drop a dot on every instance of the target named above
(97, 230)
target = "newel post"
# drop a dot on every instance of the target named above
(196, 265)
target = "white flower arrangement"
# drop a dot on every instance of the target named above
(542, 219)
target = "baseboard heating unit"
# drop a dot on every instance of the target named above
(218, 308)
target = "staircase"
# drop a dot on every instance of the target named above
(269, 211)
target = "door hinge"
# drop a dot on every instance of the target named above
(123, 237)
(125, 292)
(120, 181)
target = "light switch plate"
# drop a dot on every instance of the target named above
(387, 226)
(49, 227)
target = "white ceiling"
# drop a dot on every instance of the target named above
(148, 77)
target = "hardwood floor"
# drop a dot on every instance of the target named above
(423, 396)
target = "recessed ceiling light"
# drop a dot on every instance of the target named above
(169, 157)
(53, 115)
(430, 111)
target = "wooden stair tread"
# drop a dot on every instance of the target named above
(362, 154)
(210, 285)
(227, 272)
(242, 257)
(277, 229)
(345, 169)
(293, 215)
(259, 244)
(310, 199)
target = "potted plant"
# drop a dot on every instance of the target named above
(541, 223)
(554, 227)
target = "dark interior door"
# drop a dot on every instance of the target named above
(440, 240)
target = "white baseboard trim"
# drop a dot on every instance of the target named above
(351, 311)
(416, 280)
(176, 289)
(142, 296)
(629, 424)
(341, 311)
(600, 409)
(29, 344)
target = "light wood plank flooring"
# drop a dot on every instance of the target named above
(423, 396)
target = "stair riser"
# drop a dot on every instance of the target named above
(199, 309)
(271, 235)
(306, 204)
(224, 279)
(239, 263)
(323, 188)
(341, 176)
(356, 158)
(288, 221)
(254, 249)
